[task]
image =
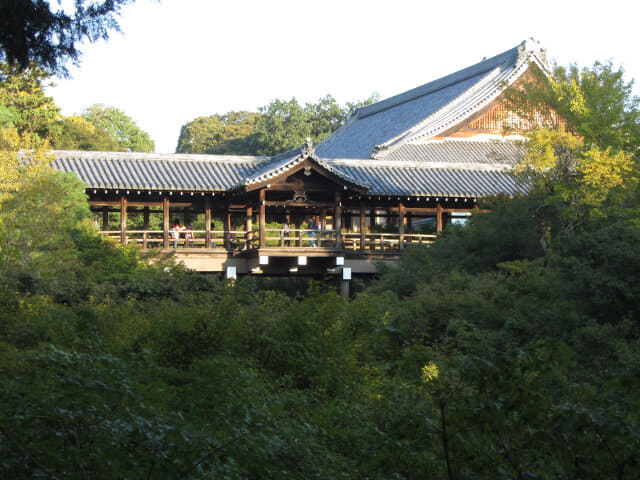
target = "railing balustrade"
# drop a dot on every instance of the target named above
(274, 238)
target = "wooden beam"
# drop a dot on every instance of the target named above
(116, 203)
(123, 220)
(165, 222)
(207, 222)
(323, 226)
(401, 213)
(363, 227)
(262, 219)
(249, 227)
(286, 203)
(439, 224)
(337, 220)
(227, 228)
(145, 217)
(187, 216)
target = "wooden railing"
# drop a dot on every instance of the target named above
(299, 237)
(292, 238)
(384, 241)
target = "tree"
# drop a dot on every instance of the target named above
(280, 126)
(595, 101)
(24, 103)
(38, 207)
(79, 134)
(122, 128)
(36, 31)
(228, 133)
(285, 125)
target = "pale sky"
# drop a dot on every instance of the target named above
(180, 59)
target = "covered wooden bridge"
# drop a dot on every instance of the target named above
(394, 175)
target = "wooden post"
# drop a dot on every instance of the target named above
(165, 222)
(401, 213)
(207, 222)
(363, 227)
(123, 219)
(372, 223)
(337, 220)
(227, 228)
(187, 217)
(249, 227)
(323, 226)
(439, 224)
(409, 222)
(262, 219)
(145, 216)
(105, 218)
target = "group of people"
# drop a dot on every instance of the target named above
(312, 224)
(178, 230)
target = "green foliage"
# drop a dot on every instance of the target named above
(80, 134)
(230, 133)
(121, 128)
(24, 104)
(35, 31)
(285, 125)
(507, 349)
(595, 101)
(280, 126)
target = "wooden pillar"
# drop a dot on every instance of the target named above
(165, 222)
(187, 216)
(363, 227)
(409, 222)
(145, 218)
(439, 224)
(372, 225)
(227, 228)
(337, 220)
(323, 227)
(105, 218)
(123, 220)
(401, 213)
(207, 222)
(262, 220)
(249, 226)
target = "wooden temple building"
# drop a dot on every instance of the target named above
(421, 158)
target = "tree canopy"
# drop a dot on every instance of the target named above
(229, 133)
(122, 128)
(508, 349)
(279, 126)
(38, 32)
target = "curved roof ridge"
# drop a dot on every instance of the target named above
(346, 162)
(277, 167)
(470, 101)
(477, 69)
(151, 156)
(483, 84)
(489, 138)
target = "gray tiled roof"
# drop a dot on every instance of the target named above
(417, 179)
(281, 164)
(213, 173)
(461, 151)
(430, 109)
(150, 171)
(387, 148)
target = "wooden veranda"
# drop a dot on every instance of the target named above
(264, 227)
